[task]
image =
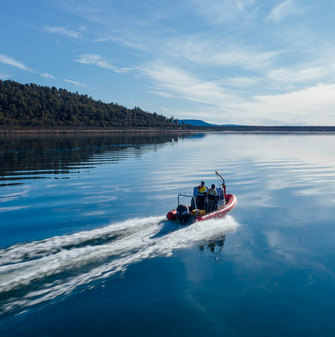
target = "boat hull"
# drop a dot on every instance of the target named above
(231, 202)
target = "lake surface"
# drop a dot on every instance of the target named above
(85, 249)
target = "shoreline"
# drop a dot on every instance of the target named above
(87, 131)
(228, 130)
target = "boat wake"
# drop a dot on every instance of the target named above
(41, 271)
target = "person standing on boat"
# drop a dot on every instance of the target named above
(212, 198)
(202, 192)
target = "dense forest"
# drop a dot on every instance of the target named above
(33, 105)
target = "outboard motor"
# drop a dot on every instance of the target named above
(183, 214)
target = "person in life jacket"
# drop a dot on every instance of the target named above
(202, 192)
(212, 198)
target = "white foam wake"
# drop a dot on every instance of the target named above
(36, 272)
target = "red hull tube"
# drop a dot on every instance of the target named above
(172, 215)
(231, 202)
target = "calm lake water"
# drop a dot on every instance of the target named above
(85, 249)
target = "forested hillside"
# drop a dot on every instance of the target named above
(33, 105)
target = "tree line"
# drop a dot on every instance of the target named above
(34, 105)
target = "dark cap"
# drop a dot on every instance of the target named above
(213, 186)
(202, 183)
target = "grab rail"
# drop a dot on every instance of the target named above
(192, 198)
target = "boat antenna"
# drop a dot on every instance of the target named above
(217, 173)
(223, 186)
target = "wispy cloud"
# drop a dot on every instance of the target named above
(46, 75)
(283, 10)
(177, 82)
(62, 31)
(135, 42)
(10, 61)
(225, 11)
(89, 10)
(97, 60)
(239, 81)
(303, 74)
(296, 107)
(214, 51)
(203, 49)
(78, 84)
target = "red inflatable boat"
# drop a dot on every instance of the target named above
(189, 214)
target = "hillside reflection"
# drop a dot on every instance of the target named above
(24, 156)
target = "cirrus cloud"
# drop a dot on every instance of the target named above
(78, 84)
(175, 82)
(46, 75)
(10, 61)
(97, 60)
(62, 31)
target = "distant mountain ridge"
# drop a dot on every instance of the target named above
(195, 122)
(201, 125)
(199, 122)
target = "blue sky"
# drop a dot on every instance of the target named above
(258, 62)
